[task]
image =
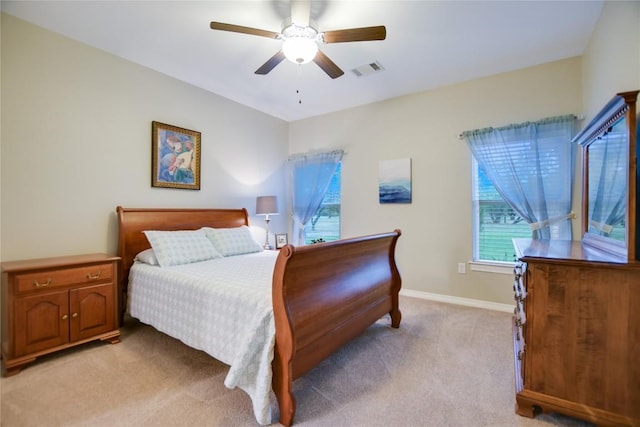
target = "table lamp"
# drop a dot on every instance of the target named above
(267, 205)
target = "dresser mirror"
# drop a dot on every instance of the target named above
(610, 178)
(608, 164)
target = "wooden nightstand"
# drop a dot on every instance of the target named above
(51, 304)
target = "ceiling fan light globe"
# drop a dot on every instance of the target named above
(300, 50)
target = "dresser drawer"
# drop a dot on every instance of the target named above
(98, 273)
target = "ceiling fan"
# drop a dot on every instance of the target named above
(300, 39)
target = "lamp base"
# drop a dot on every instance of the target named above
(266, 246)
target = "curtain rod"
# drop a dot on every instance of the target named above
(578, 116)
(313, 152)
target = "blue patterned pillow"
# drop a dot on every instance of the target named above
(233, 241)
(181, 247)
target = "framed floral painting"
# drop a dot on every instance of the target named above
(175, 157)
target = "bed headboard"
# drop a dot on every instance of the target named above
(133, 221)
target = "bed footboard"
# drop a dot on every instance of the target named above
(323, 296)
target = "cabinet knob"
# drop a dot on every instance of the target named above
(74, 315)
(65, 317)
(42, 285)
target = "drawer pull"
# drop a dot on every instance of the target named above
(41, 285)
(94, 276)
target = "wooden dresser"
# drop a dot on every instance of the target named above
(577, 332)
(54, 303)
(577, 317)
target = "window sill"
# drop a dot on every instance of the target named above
(492, 267)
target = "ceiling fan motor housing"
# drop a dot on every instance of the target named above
(300, 43)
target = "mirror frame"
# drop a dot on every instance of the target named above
(621, 105)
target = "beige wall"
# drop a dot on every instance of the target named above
(611, 62)
(436, 226)
(76, 142)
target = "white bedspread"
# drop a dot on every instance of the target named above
(223, 307)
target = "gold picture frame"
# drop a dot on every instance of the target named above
(175, 157)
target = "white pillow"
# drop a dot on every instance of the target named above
(233, 241)
(181, 247)
(148, 257)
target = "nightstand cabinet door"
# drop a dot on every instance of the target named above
(41, 322)
(92, 311)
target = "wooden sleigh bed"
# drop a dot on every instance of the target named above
(323, 295)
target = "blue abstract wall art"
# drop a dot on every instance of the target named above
(394, 181)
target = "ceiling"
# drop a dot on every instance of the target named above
(429, 44)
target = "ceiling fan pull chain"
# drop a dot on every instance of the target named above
(298, 84)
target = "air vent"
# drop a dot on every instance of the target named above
(366, 69)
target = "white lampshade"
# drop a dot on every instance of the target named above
(267, 205)
(300, 50)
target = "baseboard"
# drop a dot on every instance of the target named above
(458, 300)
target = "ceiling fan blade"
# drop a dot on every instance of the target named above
(245, 30)
(300, 12)
(271, 63)
(356, 34)
(327, 65)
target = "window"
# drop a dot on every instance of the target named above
(530, 166)
(314, 199)
(325, 222)
(495, 223)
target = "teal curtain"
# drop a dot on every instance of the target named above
(531, 165)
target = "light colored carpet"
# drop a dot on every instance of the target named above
(447, 365)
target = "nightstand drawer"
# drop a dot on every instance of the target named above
(69, 276)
